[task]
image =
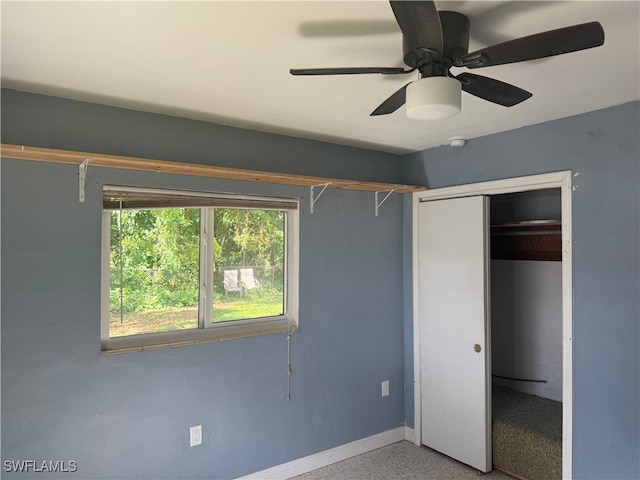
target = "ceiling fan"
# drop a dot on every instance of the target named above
(434, 41)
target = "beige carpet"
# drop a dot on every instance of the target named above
(400, 461)
(527, 434)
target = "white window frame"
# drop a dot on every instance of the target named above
(207, 331)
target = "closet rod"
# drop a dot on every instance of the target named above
(519, 379)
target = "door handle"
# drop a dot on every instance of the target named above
(477, 348)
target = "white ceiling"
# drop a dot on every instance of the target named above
(228, 62)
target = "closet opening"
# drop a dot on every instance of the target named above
(493, 313)
(526, 333)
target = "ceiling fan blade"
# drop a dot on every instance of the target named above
(420, 23)
(348, 71)
(492, 90)
(540, 45)
(392, 103)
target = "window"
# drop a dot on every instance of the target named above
(184, 267)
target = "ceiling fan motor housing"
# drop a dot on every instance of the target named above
(455, 36)
(433, 98)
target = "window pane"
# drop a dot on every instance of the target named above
(154, 257)
(249, 264)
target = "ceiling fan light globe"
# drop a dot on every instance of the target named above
(434, 98)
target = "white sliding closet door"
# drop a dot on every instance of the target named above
(453, 272)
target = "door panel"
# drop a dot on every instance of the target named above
(453, 271)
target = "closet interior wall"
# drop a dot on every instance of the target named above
(526, 303)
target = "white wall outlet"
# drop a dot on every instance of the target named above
(195, 435)
(385, 388)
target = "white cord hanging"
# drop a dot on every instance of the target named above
(289, 365)
(292, 330)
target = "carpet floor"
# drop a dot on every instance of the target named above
(527, 434)
(400, 461)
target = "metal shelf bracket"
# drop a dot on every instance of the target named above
(315, 198)
(82, 175)
(380, 202)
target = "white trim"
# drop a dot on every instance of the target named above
(497, 187)
(105, 275)
(560, 180)
(292, 267)
(409, 434)
(417, 376)
(329, 457)
(205, 307)
(567, 328)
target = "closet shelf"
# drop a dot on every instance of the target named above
(528, 240)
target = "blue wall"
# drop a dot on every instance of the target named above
(128, 415)
(603, 148)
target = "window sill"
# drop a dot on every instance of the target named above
(155, 341)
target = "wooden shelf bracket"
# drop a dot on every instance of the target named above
(82, 175)
(379, 203)
(314, 197)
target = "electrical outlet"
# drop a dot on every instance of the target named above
(195, 435)
(385, 388)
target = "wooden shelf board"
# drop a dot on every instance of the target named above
(530, 240)
(20, 152)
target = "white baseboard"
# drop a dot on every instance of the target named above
(409, 434)
(328, 457)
